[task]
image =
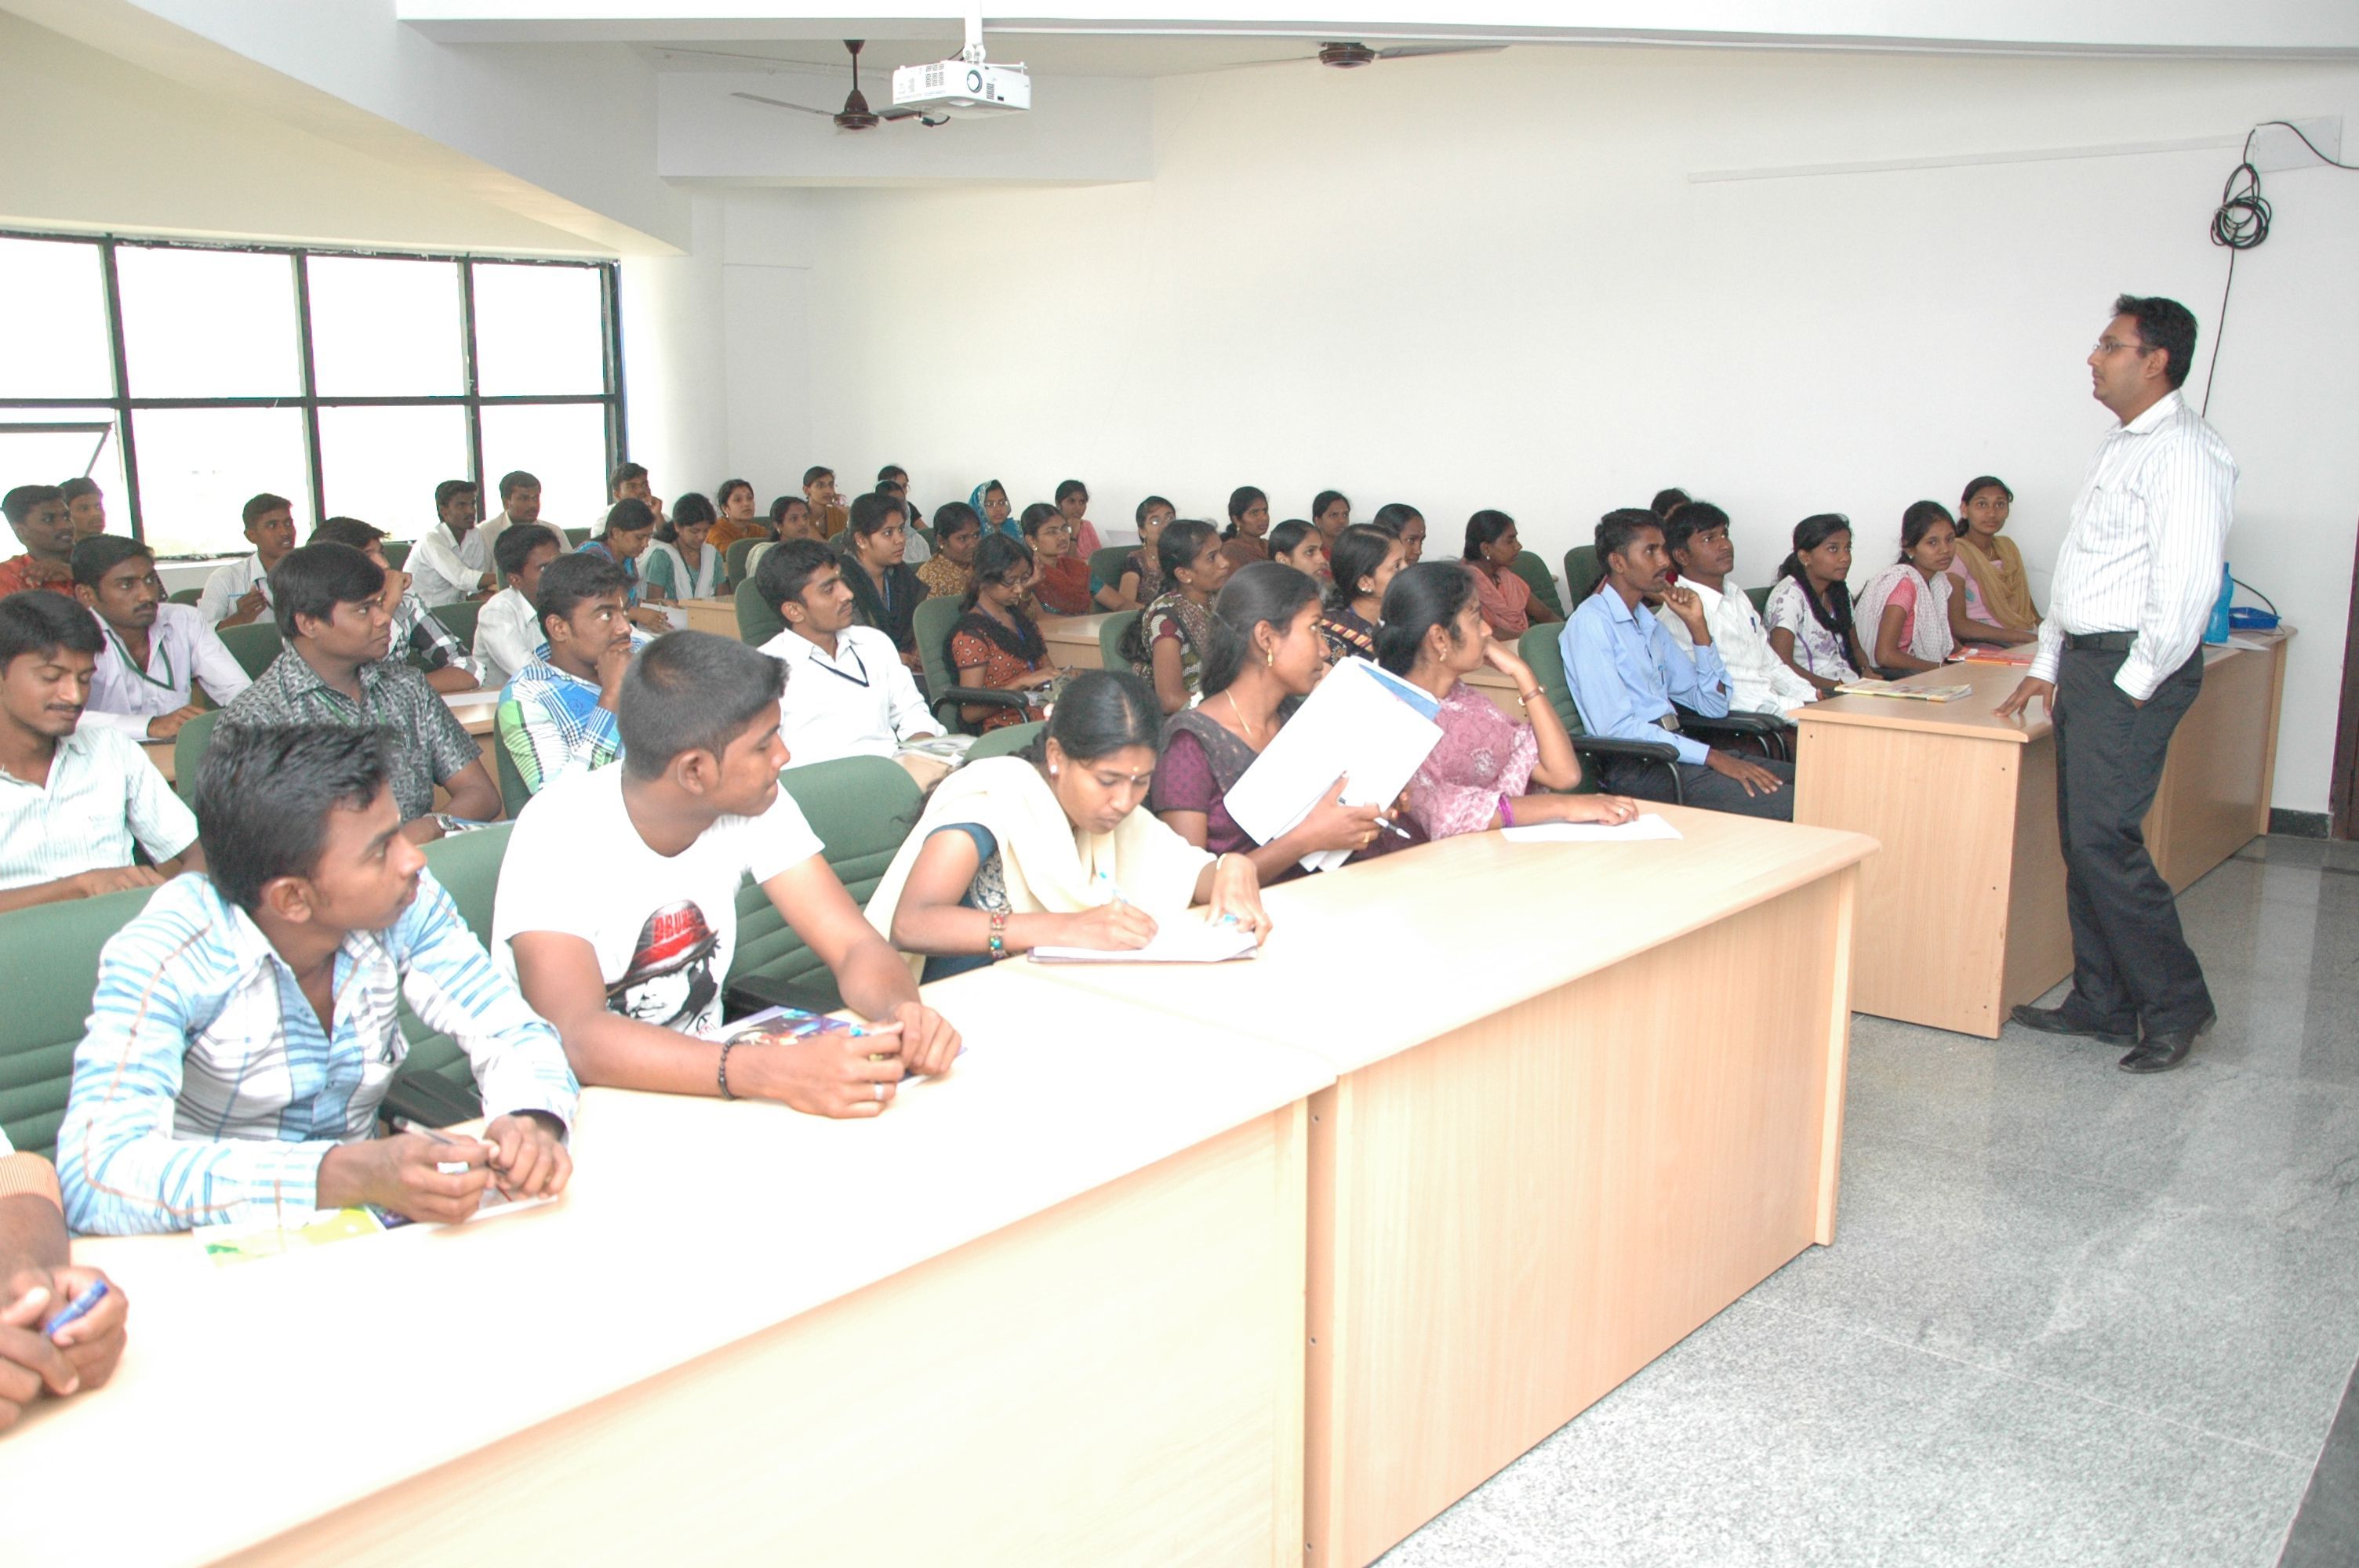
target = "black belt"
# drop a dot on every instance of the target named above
(2099, 641)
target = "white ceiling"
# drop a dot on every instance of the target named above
(1045, 54)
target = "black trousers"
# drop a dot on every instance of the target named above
(2131, 964)
(1704, 789)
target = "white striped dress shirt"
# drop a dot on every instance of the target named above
(102, 794)
(181, 651)
(2143, 552)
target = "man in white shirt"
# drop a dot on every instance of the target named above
(239, 593)
(848, 694)
(508, 630)
(1696, 536)
(2120, 661)
(520, 494)
(155, 651)
(451, 561)
(618, 904)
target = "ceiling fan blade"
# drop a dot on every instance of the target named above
(1410, 51)
(782, 103)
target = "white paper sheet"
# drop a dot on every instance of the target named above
(1351, 726)
(1645, 826)
(1180, 940)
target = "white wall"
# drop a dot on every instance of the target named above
(1489, 281)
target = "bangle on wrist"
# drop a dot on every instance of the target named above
(723, 1074)
(1506, 812)
(998, 941)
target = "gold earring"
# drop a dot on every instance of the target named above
(1269, 660)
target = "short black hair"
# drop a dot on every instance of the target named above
(1669, 500)
(1619, 526)
(515, 546)
(18, 504)
(257, 507)
(94, 557)
(316, 579)
(892, 471)
(630, 514)
(40, 622)
(349, 531)
(450, 487)
(1687, 519)
(871, 511)
(263, 794)
(787, 567)
(953, 517)
(623, 475)
(691, 691)
(77, 487)
(815, 473)
(2163, 324)
(569, 580)
(516, 480)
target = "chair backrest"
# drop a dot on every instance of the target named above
(1111, 632)
(468, 867)
(1005, 740)
(514, 791)
(757, 620)
(931, 626)
(1581, 575)
(395, 552)
(838, 540)
(734, 568)
(1105, 565)
(577, 537)
(460, 620)
(1532, 570)
(188, 753)
(861, 807)
(1539, 648)
(187, 595)
(254, 646)
(1760, 598)
(49, 967)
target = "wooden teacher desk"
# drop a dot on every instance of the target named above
(1589, 1095)
(1045, 1310)
(1962, 916)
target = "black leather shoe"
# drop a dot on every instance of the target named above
(2052, 1020)
(2160, 1053)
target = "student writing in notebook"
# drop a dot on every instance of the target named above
(1050, 848)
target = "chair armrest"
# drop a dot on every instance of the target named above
(431, 1101)
(772, 991)
(981, 697)
(1734, 723)
(1614, 746)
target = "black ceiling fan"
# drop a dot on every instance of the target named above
(855, 114)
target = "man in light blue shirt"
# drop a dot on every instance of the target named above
(1629, 679)
(244, 1031)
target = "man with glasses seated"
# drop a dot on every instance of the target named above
(1695, 535)
(155, 651)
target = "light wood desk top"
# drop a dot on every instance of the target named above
(1476, 925)
(717, 615)
(689, 1225)
(1075, 630)
(477, 711)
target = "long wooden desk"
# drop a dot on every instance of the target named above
(1587, 1096)
(1045, 1310)
(717, 615)
(1963, 915)
(1073, 640)
(476, 710)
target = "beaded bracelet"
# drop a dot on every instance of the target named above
(998, 934)
(726, 1046)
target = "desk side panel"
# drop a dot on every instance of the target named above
(2215, 783)
(2038, 933)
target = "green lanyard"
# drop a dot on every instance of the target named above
(170, 683)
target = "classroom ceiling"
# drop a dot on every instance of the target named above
(1066, 55)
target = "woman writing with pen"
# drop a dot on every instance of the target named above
(1050, 849)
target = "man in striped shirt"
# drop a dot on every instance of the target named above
(2120, 663)
(244, 1031)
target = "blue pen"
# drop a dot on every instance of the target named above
(78, 1308)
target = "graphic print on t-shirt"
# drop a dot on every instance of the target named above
(669, 981)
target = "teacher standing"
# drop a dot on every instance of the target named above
(2120, 661)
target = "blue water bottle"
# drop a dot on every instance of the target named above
(2216, 631)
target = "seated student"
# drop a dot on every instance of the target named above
(427, 644)
(508, 629)
(1167, 643)
(1628, 678)
(629, 528)
(1061, 579)
(1139, 581)
(1266, 656)
(155, 651)
(329, 600)
(1408, 523)
(617, 903)
(1667, 500)
(1433, 636)
(892, 479)
(239, 593)
(1073, 500)
(72, 800)
(36, 1281)
(1696, 536)
(85, 507)
(520, 494)
(45, 527)
(791, 518)
(989, 503)
(827, 515)
(1809, 614)
(995, 642)
(1509, 603)
(848, 694)
(1366, 560)
(883, 585)
(451, 561)
(1050, 849)
(947, 572)
(1296, 544)
(244, 1032)
(739, 518)
(1244, 541)
(681, 562)
(1993, 601)
(629, 482)
(1904, 610)
(557, 716)
(1331, 513)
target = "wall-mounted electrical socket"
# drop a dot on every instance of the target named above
(2275, 148)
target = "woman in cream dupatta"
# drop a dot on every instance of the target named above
(1993, 603)
(1014, 854)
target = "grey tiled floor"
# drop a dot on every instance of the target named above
(2070, 1317)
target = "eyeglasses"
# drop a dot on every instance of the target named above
(2108, 346)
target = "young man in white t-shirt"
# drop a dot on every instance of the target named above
(618, 902)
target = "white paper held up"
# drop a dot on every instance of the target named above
(1351, 726)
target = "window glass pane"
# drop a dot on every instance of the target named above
(208, 323)
(51, 445)
(385, 329)
(57, 321)
(563, 444)
(198, 467)
(539, 329)
(381, 465)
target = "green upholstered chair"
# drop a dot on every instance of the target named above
(861, 807)
(1581, 573)
(514, 792)
(460, 620)
(840, 540)
(758, 621)
(1534, 571)
(49, 967)
(1004, 743)
(1105, 565)
(1539, 648)
(734, 569)
(254, 646)
(436, 1084)
(395, 552)
(1111, 632)
(935, 619)
(187, 595)
(577, 537)
(188, 753)
(1760, 598)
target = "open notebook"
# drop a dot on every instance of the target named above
(1182, 939)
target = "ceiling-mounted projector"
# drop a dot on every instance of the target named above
(966, 87)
